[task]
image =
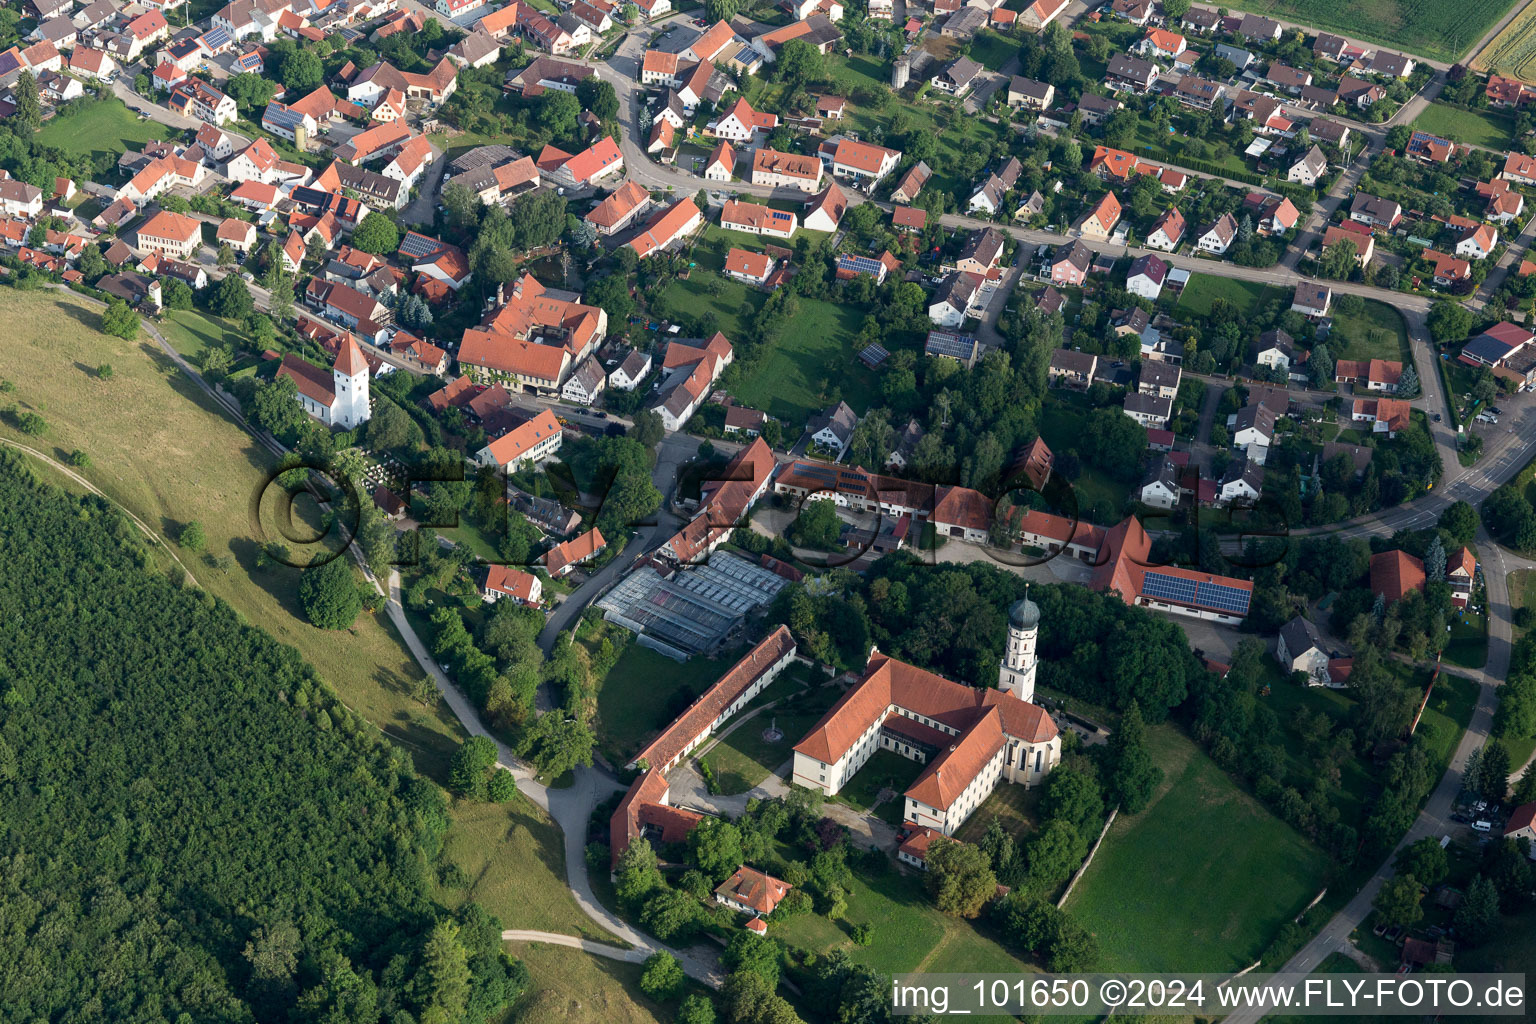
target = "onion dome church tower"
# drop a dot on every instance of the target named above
(1017, 673)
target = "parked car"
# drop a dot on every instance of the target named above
(1482, 825)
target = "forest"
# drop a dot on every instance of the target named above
(192, 827)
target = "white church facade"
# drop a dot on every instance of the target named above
(970, 739)
(339, 398)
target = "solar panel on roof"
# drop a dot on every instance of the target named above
(419, 245)
(859, 264)
(1168, 588)
(956, 346)
(1223, 597)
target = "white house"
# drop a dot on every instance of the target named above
(1218, 238)
(505, 582)
(1300, 649)
(1253, 431)
(1146, 276)
(629, 373)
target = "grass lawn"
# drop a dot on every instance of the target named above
(570, 986)
(1376, 332)
(885, 769)
(1013, 806)
(1148, 138)
(816, 346)
(910, 934)
(1459, 379)
(745, 758)
(1468, 645)
(191, 332)
(473, 536)
(1522, 594)
(1204, 289)
(1442, 29)
(1513, 948)
(162, 449)
(643, 693)
(107, 128)
(1201, 834)
(513, 859)
(734, 307)
(993, 49)
(1478, 127)
(1446, 717)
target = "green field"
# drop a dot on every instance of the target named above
(1148, 137)
(745, 758)
(1439, 29)
(734, 307)
(1446, 716)
(885, 769)
(191, 332)
(513, 860)
(1377, 332)
(814, 351)
(1204, 289)
(1522, 594)
(1012, 806)
(1468, 645)
(993, 49)
(1489, 128)
(1201, 835)
(107, 128)
(633, 701)
(910, 934)
(162, 449)
(569, 986)
(815, 347)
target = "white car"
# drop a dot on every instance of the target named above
(1482, 825)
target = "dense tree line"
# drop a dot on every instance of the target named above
(185, 807)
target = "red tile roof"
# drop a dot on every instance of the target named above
(512, 582)
(887, 681)
(693, 724)
(1394, 573)
(574, 550)
(751, 887)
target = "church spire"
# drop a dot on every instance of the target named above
(1016, 675)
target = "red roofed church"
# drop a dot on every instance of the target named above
(970, 739)
(337, 399)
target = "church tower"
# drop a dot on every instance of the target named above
(350, 380)
(1017, 673)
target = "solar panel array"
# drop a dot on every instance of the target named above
(956, 346)
(1196, 593)
(874, 354)
(860, 264)
(416, 245)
